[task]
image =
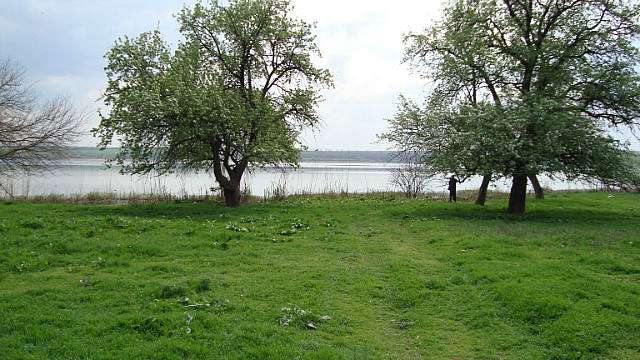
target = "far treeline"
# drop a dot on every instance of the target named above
(315, 156)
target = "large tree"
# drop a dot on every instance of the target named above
(35, 134)
(235, 93)
(539, 66)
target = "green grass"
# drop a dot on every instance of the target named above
(376, 276)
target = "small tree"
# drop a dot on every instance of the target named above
(34, 135)
(411, 178)
(236, 92)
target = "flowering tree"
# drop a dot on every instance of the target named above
(236, 92)
(525, 88)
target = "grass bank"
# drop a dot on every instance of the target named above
(362, 277)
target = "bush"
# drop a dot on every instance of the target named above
(411, 179)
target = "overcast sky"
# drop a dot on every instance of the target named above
(61, 44)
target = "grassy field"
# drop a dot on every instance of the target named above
(370, 277)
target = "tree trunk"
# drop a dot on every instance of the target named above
(518, 195)
(232, 197)
(229, 183)
(232, 193)
(482, 193)
(536, 186)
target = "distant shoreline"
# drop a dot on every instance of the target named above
(307, 156)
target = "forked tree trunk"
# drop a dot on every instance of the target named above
(232, 193)
(230, 182)
(482, 193)
(518, 195)
(536, 186)
(230, 187)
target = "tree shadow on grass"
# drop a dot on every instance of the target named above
(194, 211)
(540, 211)
(538, 214)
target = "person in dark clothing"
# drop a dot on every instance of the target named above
(453, 182)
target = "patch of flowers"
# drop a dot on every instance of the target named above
(236, 228)
(304, 319)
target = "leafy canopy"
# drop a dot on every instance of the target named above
(235, 92)
(525, 87)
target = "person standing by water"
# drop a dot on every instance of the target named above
(453, 184)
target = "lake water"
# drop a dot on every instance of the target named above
(82, 176)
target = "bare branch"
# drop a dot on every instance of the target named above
(33, 136)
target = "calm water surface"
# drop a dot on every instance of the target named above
(82, 176)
